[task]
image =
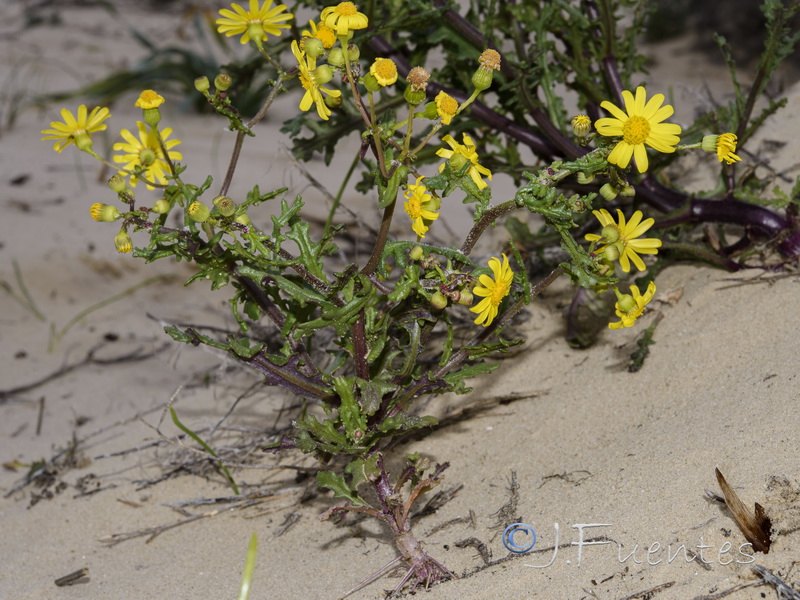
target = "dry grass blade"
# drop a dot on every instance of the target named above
(755, 527)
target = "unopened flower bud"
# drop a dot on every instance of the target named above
(608, 191)
(611, 253)
(243, 219)
(104, 212)
(430, 111)
(353, 53)
(583, 178)
(313, 47)
(201, 84)
(123, 242)
(336, 57)
(466, 298)
(198, 212)
(439, 300)
(333, 101)
(117, 184)
(225, 205)
(416, 253)
(323, 74)
(161, 206)
(581, 124)
(222, 82)
(628, 191)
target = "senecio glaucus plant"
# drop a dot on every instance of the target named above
(348, 338)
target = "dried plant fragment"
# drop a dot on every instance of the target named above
(755, 527)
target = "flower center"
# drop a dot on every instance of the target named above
(448, 105)
(346, 9)
(385, 69)
(635, 130)
(499, 292)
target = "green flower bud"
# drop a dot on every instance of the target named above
(416, 253)
(430, 111)
(608, 191)
(201, 84)
(581, 124)
(123, 242)
(161, 206)
(584, 179)
(465, 298)
(333, 101)
(611, 253)
(104, 212)
(243, 219)
(313, 47)
(439, 300)
(198, 212)
(222, 82)
(353, 53)
(225, 205)
(117, 184)
(628, 191)
(482, 79)
(336, 57)
(323, 74)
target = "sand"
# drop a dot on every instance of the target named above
(592, 449)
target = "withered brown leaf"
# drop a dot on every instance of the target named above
(755, 527)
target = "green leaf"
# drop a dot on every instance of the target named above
(339, 487)
(363, 470)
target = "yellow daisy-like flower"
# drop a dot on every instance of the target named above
(312, 87)
(641, 125)
(254, 24)
(149, 99)
(384, 71)
(493, 290)
(630, 307)
(77, 130)
(145, 153)
(467, 151)
(322, 32)
(623, 236)
(723, 145)
(420, 207)
(344, 18)
(446, 107)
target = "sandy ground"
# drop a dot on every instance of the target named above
(588, 444)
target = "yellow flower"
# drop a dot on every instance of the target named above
(322, 32)
(420, 206)
(641, 125)
(77, 130)
(146, 154)
(630, 308)
(493, 290)
(384, 71)
(149, 99)
(623, 236)
(724, 145)
(255, 23)
(446, 107)
(309, 82)
(467, 151)
(344, 18)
